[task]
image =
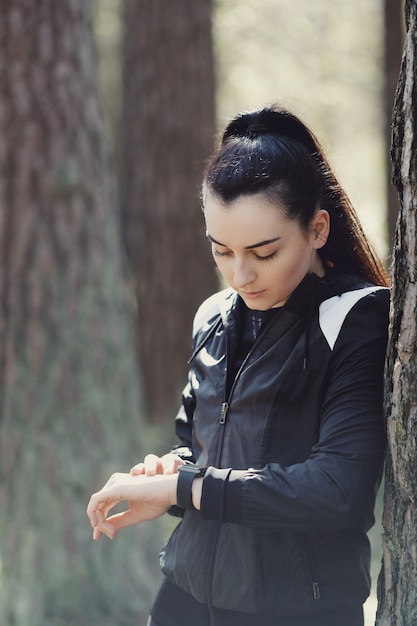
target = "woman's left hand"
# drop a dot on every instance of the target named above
(153, 464)
(148, 497)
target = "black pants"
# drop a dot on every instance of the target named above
(175, 607)
(151, 622)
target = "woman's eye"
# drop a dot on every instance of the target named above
(268, 257)
(220, 254)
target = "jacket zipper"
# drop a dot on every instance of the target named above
(223, 412)
(316, 591)
(226, 405)
(313, 570)
(222, 422)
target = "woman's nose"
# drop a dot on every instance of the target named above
(243, 274)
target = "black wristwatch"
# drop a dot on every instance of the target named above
(186, 475)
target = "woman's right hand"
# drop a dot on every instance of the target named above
(152, 465)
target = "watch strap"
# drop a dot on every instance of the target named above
(186, 475)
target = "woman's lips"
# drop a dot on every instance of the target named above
(251, 294)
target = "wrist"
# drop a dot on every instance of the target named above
(196, 491)
(173, 482)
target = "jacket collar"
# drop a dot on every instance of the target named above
(303, 302)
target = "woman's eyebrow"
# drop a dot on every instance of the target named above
(254, 245)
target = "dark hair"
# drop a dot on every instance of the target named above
(270, 151)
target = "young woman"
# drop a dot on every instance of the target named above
(281, 427)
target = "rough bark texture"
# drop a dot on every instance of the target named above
(68, 384)
(168, 126)
(394, 42)
(397, 588)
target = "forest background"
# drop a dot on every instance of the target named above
(328, 62)
(78, 397)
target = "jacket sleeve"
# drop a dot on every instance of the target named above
(184, 425)
(335, 487)
(183, 428)
(204, 320)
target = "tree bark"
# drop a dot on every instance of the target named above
(394, 42)
(168, 127)
(397, 590)
(69, 401)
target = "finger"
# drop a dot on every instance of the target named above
(152, 465)
(103, 527)
(96, 532)
(138, 469)
(99, 505)
(123, 487)
(120, 520)
(99, 501)
(171, 464)
(92, 511)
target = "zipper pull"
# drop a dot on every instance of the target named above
(316, 591)
(223, 413)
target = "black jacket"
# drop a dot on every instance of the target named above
(288, 535)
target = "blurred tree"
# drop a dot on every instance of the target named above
(69, 401)
(394, 40)
(397, 588)
(168, 127)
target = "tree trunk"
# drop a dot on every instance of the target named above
(168, 126)
(69, 401)
(394, 41)
(397, 588)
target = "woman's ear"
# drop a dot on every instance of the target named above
(320, 228)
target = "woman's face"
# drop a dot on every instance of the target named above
(261, 253)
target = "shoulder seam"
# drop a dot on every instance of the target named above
(210, 308)
(333, 312)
